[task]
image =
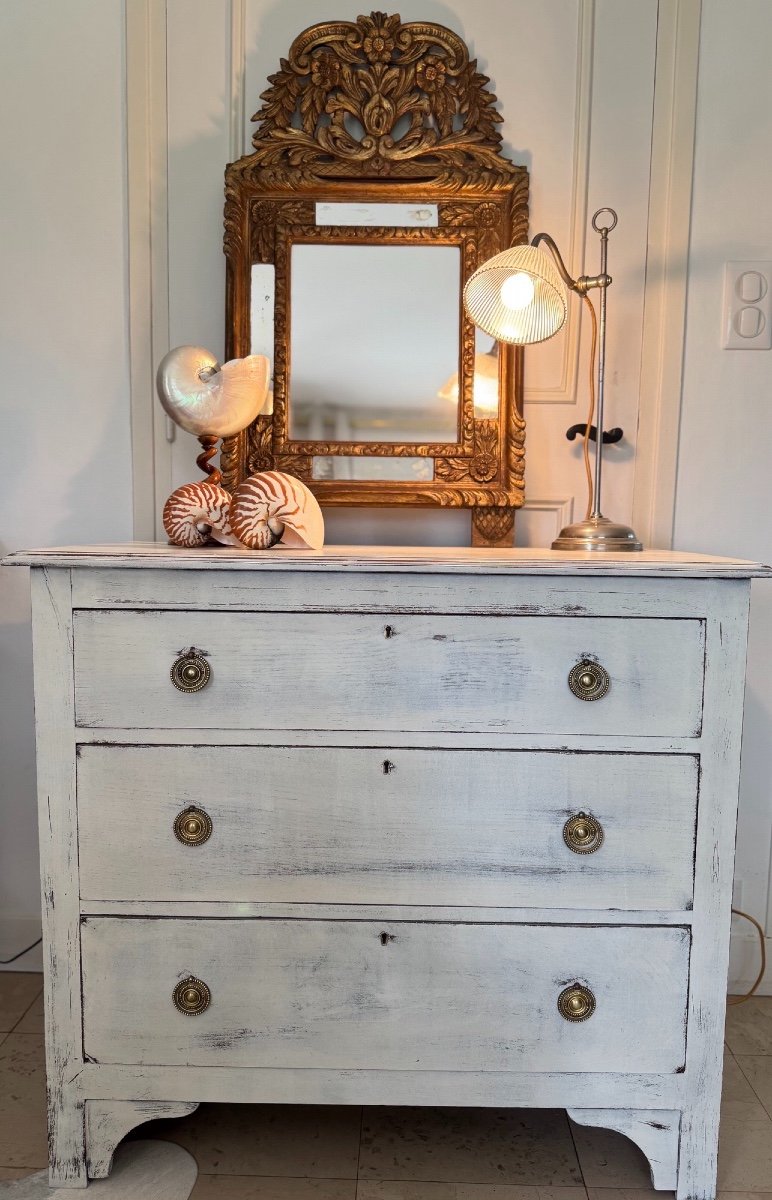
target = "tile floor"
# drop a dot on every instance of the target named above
(279, 1153)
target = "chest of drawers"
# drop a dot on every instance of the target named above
(387, 827)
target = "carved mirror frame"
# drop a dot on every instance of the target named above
(379, 111)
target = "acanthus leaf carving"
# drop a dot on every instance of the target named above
(408, 89)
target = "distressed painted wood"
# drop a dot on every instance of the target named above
(727, 631)
(57, 825)
(466, 1089)
(342, 825)
(380, 912)
(355, 995)
(654, 1131)
(387, 739)
(108, 1122)
(417, 673)
(434, 560)
(455, 853)
(368, 590)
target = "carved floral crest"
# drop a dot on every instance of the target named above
(383, 98)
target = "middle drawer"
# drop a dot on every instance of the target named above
(381, 826)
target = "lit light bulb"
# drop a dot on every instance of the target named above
(517, 291)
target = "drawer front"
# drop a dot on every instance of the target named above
(412, 673)
(358, 995)
(403, 826)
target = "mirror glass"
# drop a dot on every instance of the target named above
(374, 340)
(362, 466)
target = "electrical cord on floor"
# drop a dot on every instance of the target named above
(5, 961)
(741, 999)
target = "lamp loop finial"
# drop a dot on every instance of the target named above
(604, 228)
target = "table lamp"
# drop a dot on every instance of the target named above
(519, 296)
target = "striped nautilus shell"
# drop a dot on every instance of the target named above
(206, 398)
(198, 513)
(271, 507)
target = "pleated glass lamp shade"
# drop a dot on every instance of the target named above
(517, 296)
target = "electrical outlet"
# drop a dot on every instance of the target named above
(747, 310)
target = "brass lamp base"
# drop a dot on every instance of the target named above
(597, 534)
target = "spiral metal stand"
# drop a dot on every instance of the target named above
(209, 444)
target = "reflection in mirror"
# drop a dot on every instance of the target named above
(374, 337)
(485, 385)
(414, 469)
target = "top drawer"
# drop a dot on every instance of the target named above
(343, 671)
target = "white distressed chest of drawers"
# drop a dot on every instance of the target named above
(376, 847)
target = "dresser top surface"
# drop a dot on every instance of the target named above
(396, 559)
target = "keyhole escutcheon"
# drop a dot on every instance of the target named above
(389, 631)
(388, 766)
(386, 938)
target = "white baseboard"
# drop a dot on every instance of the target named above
(744, 963)
(15, 934)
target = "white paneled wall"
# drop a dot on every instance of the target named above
(66, 460)
(724, 499)
(578, 81)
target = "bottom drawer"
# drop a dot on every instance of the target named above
(405, 996)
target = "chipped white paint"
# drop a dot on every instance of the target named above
(360, 995)
(373, 826)
(107, 1121)
(456, 854)
(654, 1130)
(344, 671)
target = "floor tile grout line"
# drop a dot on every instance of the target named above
(359, 1148)
(34, 1000)
(576, 1150)
(749, 1081)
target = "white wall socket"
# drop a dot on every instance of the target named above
(747, 311)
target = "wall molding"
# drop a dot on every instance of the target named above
(561, 508)
(148, 255)
(664, 318)
(564, 392)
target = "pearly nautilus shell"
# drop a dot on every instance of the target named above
(197, 513)
(271, 506)
(206, 398)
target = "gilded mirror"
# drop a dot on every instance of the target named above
(375, 189)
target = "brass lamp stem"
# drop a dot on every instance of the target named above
(603, 285)
(595, 533)
(582, 285)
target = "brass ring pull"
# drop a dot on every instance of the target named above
(191, 997)
(583, 834)
(190, 672)
(193, 826)
(576, 1003)
(589, 680)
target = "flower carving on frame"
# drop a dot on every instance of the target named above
(483, 467)
(379, 36)
(487, 215)
(325, 71)
(431, 73)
